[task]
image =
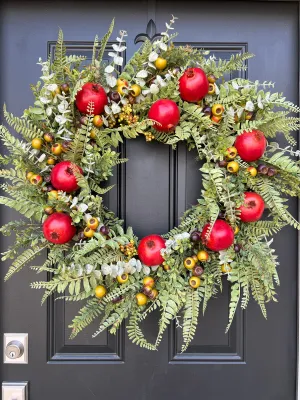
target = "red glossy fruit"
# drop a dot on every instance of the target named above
(221, 236)
(58, 228)
(91, 92)
(253, 207)
(149, 250)
(166, 113)
(193, 85)
(63, 178)
(251, 145)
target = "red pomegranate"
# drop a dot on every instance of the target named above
(149, 250)
(253, 207)
(251, 145)
(58, 228)
(221, 236)
(91, 92)
(193, 85)
(63, 178)
(166, 113)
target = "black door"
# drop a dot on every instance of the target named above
(257, 359)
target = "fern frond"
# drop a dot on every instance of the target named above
(135, 333)
(22, 260)
(86, 316)
(190, 317)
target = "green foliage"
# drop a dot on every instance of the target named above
(86, 316)
(190, 316)
(77, 268)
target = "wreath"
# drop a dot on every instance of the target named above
(57, 174)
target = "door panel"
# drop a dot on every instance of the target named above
(257, 359)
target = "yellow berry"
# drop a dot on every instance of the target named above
(141, 299)
(217, 110)
(97, 121)
(189, 263)
(100, 291)
(53, 195)
(252, 171)
(148, 281)
(195, 282)
(57, 149)
(93, 223)
(51, 161)
(202, 255)
(36, 179)
(211, 88)
(29, 175)
(88, 232)
(233, 166)
(135, 90)
(37, 143)
(160, 63)
(93, 134)
(122, 278)
(231, 153)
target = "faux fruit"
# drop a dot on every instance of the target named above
(194, 282)
(135, 90)
(160, 63)
(166, 113)
(252, 171)
(231, 153)
(53, 195)
(202, 255)
(217, 110)
(97, 121)
(48, 137)
(148, 281)
(114, 96)
(93, 223)
(36, 179)
(91, 93)
(29, 175)
(216, 119)
(48, 210)
(211, 88)
(100, 291)
(149, 250)
(122, 278)
(36, 143)
(211, 78)
(251, 145)
(141, 299)
(198, 270)
(253, 207)
(58, 228)
(51, 161)
(195, 236)
(262, 169)
(233, 167)
(193, 85)
(147, 290)
(104, 230)
(63, 178)
(88, 232)
(189, 263)
(221, 236)
(153, 294)
(57, 149)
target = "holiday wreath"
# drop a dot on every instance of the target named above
(168, 94)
